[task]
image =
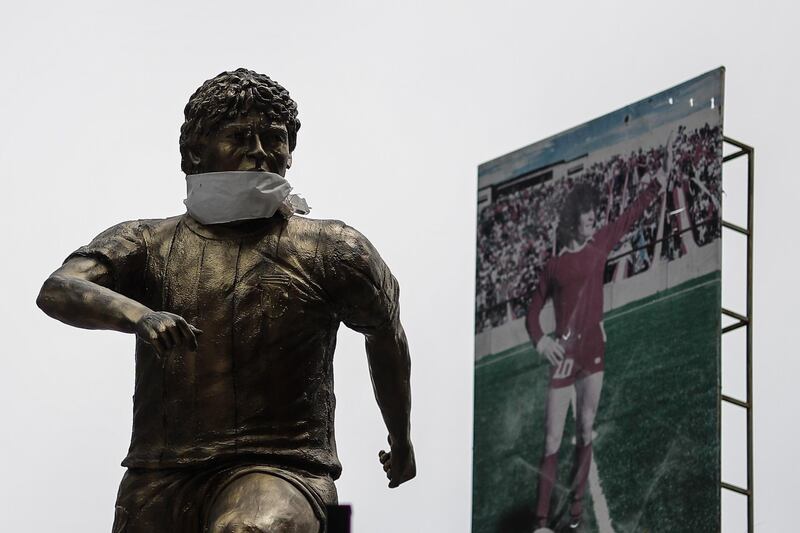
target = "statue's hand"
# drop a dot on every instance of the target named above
(166, 332)
(399, 463)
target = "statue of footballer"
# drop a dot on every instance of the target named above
(235, 307)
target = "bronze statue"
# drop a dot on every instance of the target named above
(235, 320)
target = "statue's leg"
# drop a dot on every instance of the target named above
(259, 502)
(558, 400)
(587, 399)
(148, 499)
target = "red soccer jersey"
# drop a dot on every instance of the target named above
(574, 280)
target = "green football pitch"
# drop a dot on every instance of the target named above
(656, 449)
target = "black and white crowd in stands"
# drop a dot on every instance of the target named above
(516, 232)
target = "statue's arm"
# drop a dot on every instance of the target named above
(367, 299)
(78, 294)
(390, 369)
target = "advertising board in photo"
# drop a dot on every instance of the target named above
(597, 323)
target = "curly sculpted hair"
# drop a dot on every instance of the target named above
(232, 94)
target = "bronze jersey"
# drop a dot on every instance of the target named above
(269, 302)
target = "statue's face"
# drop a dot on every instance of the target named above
(249, 142)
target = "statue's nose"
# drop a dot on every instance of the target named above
(256, 150)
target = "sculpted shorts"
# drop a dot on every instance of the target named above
(177, 500)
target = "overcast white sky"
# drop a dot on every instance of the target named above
(399, 104)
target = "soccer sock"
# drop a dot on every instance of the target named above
(580, 475)
(547, 480)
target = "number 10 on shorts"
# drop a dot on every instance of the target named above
(564, 368)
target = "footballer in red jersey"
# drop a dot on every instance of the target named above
(576, 349)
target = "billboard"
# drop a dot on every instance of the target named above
(597, 323)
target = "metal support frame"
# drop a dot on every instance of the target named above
(744, 321)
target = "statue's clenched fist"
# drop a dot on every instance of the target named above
(398, 463)
(167, 332)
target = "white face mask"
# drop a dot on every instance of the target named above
(219, 197)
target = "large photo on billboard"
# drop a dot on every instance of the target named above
(597, 323)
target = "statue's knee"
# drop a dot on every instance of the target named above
(237, 527)
(289, 522)
(269, 522)
(258, 503)
(233, 525)
(277, 523)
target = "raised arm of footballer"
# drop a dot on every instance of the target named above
(608, 236)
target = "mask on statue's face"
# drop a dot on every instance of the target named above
(221, 197)
(242, 167)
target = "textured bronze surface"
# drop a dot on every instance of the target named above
(235, 324)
